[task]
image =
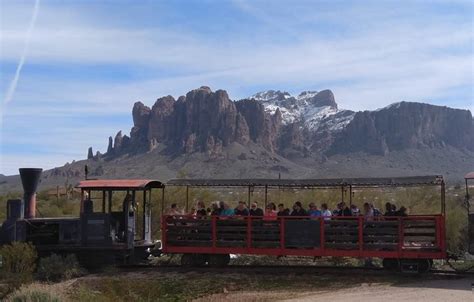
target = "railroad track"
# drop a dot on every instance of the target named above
(294, 269)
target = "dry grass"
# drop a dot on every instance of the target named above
(41, 292)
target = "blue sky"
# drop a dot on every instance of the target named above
(87, 62)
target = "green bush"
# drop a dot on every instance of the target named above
(56, 268)
(18, 261)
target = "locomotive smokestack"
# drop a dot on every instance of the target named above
(30, 178)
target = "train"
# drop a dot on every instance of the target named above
(114, 232)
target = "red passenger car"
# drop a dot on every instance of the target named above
(406, 243)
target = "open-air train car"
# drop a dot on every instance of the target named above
(410, 242)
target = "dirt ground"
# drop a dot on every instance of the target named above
(155, 285)
(458, 290)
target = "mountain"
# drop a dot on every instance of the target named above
(206, 134)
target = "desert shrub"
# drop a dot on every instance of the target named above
(56, 268)
(36, 293)
(18, 261)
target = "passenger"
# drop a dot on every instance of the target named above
(221, 205)
(201, 209)
(388, 209)
(394, 208)
(402, 211)
(192, 212)
(298, 210)
(226, 210)
(368, 211)
(282, 211)
(325, 212)
(376, 211)
(270, 211)
(241, 209)
(255, 210)
(174, 210)
(313, 210)
(338, 210)
(215, 209)
(345, 211)
(355, 210)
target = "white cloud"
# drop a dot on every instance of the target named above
(16, 77)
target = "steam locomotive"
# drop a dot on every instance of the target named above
(104, 236)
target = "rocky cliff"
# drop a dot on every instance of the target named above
(310, 124)
(406, 125)
(201, 121)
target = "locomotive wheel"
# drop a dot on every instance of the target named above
(219, 260)
(391, 264)
(188, 260)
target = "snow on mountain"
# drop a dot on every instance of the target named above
(314, 109)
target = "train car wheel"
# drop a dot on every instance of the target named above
(219, 260)
(391, 264)
(188, 260)
(424, 265)
(226, 259)
(200, 259)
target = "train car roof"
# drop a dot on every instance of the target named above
(120, 184)
(334, 182)
(469, 175)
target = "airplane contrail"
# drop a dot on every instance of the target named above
(12, 87)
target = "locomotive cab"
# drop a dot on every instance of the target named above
(116, 214)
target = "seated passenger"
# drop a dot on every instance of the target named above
(338, 210)
(298, 210)
(368, 211)
(255, 210)
(389, 209)
(241, 209)
(282, 211)
(226, 210)
(215, 209)
(355, 210)
(325, 212)
(335, 212)
(174, 210)
(401, 212)
(394, 208)
(377, 212)
(270, 212)
(201, 209)
(313, 210)
(345, 211)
